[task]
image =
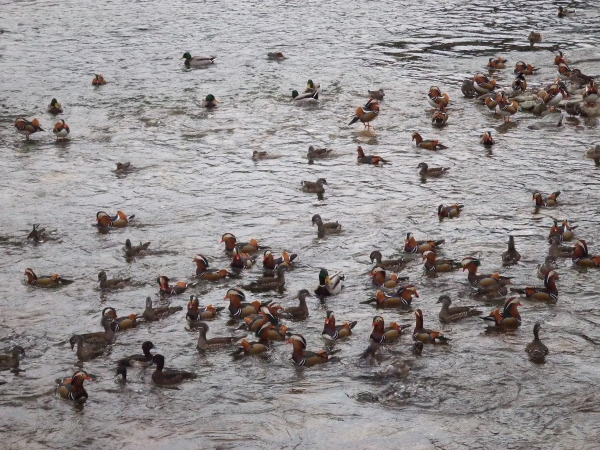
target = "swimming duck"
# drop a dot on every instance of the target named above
(483, 84)
(581, 256)
(205, 344)
(550, 200)
(335, 332)
(448, 314)
(402, 298)
(427, 144)
(525, 69)
(153, 314)
(61, 130)
(506, 108)
(178, 288)
(468, 88)
(54, 107)
(98, 80)
(519, 86)
(268, 283)
(590, 95)
(135, 250)
(424, 335)
(123, 167)
(196, 314)
(255, 321)
(116, 283)
(578, 78)
(255, 348)
(210, 101)
(486, 281)
(37, 235)
(277, 56)
(508, 318)
(312, 86)
(143, 360)
(46, 281)
(549, 293)
(238, 308)
(324, 228)
(240, 261)
(314, 187)
(87, 351)
(299, 312)
(275, 332)
(385, 335)
(434, 265)
(411, 245)
(168, 377)
(109, 315)
(486, 139)
(426, 171)
(548, 265)
(377, 95)
(25, 127)
(452, 210)
(440, 117)
(566, 231)
(72, 388)
(594, 153)
(317, 153)
(534, 37)
(562, 12)
(12, 359)
(197, 61)
(536, 350)
(103, 220)
(511, 255)
(564, 71)
(435, 97)
(329, 285)
(308, 98)
(559, 251)
(245, 247)
(366, 113)
(378, 275)
(498, 63)
(368, 159)
(286, 259)
(97, 338)
(302, 357)
(204, 273)
(261, 155)
(389, 264)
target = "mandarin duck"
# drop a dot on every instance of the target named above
(559, 251)
(87, 351)
(550, 200)
(379, 94)
(368, 159)
(549, 293)
(335, 332)
(324, 228)
(434, 265)
(255, 348)
(506, 108)
(563, 71)
(299, 312)
(590, 95)
(255, 321)
(37, 235)
(54, 107)
(240, 260)
(562, 12)
(46, 281)
(385, 335)
(486, 139)
(448, 314)
(25, 127)
(268, 283)
(12, 359)
(132, 251)
(231, 243)
(511, 255)
(389, 264)
(508, 318)
(491, 101)
(411, 245)
(205, 344)
(72, 388)
(197, 61)
(566, 230)
(151, 314)
(581, 256)
(238, 308)
(452, 210)
(301, 357)
(366, 113)
(144, 359)
(553, 95)
(204, 273)
(286, 259)
(594, 153)
(525, 69)
(534, 37)
(424, 335)
(168, 377)
(402, 298)
(559, 58)
(427, 144)
(329, 285)
(109, 315)
(436, 98)
(178, 288)
(103, 220)
(98, 80)
(497, 63)
(483, 84)
(425, 171)
(115, 283)
(124, 167)
(196, 314)
(98, 338)
(317, 153)
(378, 275)
(536, 350)
(493, 280)
(314, 187)
(61, 130)
(276, 56)
(519, 86)
(548, 265)
(440, 117)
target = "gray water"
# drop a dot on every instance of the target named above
(195, 180)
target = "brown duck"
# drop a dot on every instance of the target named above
(536, 350)
(395, 265)
(204, 273)
(316, 153)
(427, 144)
(132, 251)
(511, 255)
(205, 344)
(324, 228)
(335, 332)
(448, 314)
(299, 312)
(153, 314)
(268, 283)
(116, 283)
(46, 281)
(411, 245)
(434, 172)
(314, 187)
(11, 360)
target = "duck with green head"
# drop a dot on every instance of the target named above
(197, 61)
(329, 285)
(210, 101)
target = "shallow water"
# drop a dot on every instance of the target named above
(196, 181)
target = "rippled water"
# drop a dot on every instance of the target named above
(196, 181)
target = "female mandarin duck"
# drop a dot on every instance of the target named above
(115, 283)
(486, 139)
(549, 293)
(335, 332)
(245, 247)
(450, 210)
(425, 171)
(411, 245)
(366, 113)
(550, 200)
(506, 107)
(72, 388)
(508, 318)
(369, 159)
(386, 335)
(299, 312)
(402, 298)
(314, 187)
(277, 56)
(103, 220)
(590, 95)
(534, 37)
(390, 264)
(203, 344)
(318, 153)
(303, 358)
(238, 308)
(378, 275)
(440, 117)
(195, 313)
(45, 281)
(197, 61)
(98, 80)
(448, 314)
(436, 98)
(498, 63)
(493, 280)
(25, 127)
(178, 288)
(204, 273)
(89, 351)
(581, 256)
(483, 84)
(525, 69)
(54, 107)
(329, 285)
(424, 335)
(153, 314)
(427, 144)
(511, 255)
(12, 360)
(536, 350)
(132, 251)
(268, 283)
(434, 265)
(324, 228)
(168, 377)
(61, 130)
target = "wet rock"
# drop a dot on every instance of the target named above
(551, 120)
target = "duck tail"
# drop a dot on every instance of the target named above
(354, 120)
(441, 146)
(371, 300)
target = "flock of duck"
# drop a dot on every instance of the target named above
(270, 321)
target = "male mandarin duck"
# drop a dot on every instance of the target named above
(255, 348)
(534, 37)
(519, 86)
(368, 159)
(109, 314)
(324, 228)
(314, 187)
(486, 139)
(549, 293)
(564, 71)
(427, 144)
(424, 335)
(366, 113)
(411, 245)
(275, 332)
(210, 101)
(553, 95)
(286, 259)
(436, 98)
(197, 61)
(25, 127)
(72, 388)
(511, 255)
(245, 247)
(241, 260)
(98, 80)
(581, 256)
(61, 130)
(120, 220)
(308, 98)
(45, 281)
(335, 332)
(329, 285)
(402, 298)
(238, 308)
(255, 321)
(132, 251)
(506, 108)
(277, 56)
(492, 280)
(168, 377)
(559, 58)
(566, 230)
(483, 84)
(434, 265)
(268, 283)
(498, 63)
(204, 273)
(390, 264)
(141, 360)
(115, 283)
(195, 313)
(536, 350)
(12, 359)
(379, 94)
(590, 95)
(203, 344)
(317, 153)
(386, 335)
(508, 318)
(299, 312)
(178, 288)
(303, 358)
(448, 314)
(550, 200)
(435, 172)
(491, 101)
(440, 117)
(378, 275)
(54, 107)
(153, 314)
(525, 69)
(450, 210)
